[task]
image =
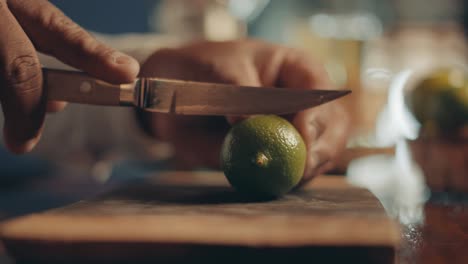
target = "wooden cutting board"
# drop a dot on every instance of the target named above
(190, 216)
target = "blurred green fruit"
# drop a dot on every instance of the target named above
(440, 102)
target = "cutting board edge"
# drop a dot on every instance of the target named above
(31, 228)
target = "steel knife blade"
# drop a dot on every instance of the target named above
(182, 97)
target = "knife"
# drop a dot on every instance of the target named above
(182, 97)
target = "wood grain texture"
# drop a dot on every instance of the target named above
(77, 87)
(200, 209)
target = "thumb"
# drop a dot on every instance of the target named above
(52, 32)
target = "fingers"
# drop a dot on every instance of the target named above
(324, 129)
(54, 33)
(298, 71)
(311, 130)
(171, 63)
(20, 85)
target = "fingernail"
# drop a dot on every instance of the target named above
(311, 163)
(314, 130)
(29, 145)
(122, 59)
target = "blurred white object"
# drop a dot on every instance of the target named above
(396, 122)
(395, 180)
(357, 26)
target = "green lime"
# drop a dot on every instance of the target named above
(263, 156)
(440, 101)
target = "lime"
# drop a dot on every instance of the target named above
(263, 156)
(440, 101)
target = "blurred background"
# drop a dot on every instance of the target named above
(374, 47)
(362, 43)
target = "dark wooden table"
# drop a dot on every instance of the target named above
(443, 238)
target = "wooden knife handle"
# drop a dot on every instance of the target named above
(78, 87)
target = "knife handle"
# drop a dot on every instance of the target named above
(78, 87)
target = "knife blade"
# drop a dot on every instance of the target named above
(182, 97)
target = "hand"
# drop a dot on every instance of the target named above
(27, 26)
(197, 140)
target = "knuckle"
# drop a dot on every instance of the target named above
(56, 21)
(84, 44)
(24, 74)
(81, 40)
(102, 50)
(316, 128)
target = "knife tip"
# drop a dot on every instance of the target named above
(339, 93)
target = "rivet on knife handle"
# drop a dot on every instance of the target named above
(76, 87)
